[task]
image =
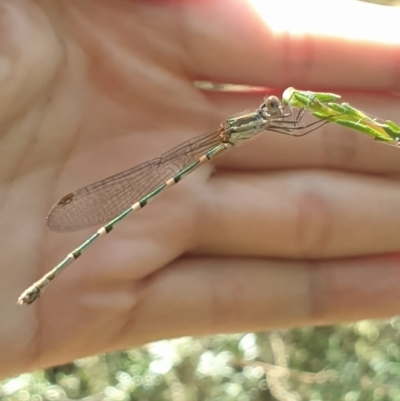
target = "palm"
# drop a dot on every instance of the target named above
(95, 122)
(108, 85)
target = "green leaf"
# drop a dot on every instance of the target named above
(325, 107)
(365, 129)
(393, 126)
(325, 97)
(297, 98)
(337, 107)
(392, 133)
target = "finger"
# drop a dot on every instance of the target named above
(204, 296)
(229, 41)
(302, 214)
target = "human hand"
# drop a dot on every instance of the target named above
(285, 232)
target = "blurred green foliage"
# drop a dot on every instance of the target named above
(350, 362)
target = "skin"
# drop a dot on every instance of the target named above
(279, 232)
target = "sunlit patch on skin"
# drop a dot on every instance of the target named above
(357, 20)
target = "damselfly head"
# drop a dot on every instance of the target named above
(273, 105)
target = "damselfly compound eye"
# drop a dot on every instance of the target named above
(273, 104)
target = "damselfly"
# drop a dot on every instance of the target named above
(110, 200)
